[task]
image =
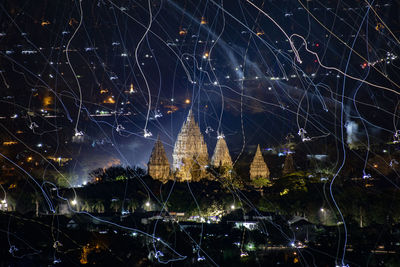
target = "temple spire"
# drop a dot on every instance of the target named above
(158, 166)
(190, 116)
(190, 152)
(258, 167)
(221, 155)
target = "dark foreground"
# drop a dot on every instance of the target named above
(47, 240)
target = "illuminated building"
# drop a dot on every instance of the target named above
(221, 155)
(190, 156)
(158, 166)
(258, 167)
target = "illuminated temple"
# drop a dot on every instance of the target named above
(221, 157)
(158, 166)
(190, 156)
(258, 168)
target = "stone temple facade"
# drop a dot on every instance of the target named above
(258, 167)
(190, 156)
(158, 166)
(221, 155)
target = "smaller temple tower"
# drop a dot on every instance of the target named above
(288, 166)
(221, 155)
(258, 168)
(158, 166)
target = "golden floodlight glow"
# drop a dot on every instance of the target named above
(183, 32)
(109, 100)
(9, 143)
(187, 101)
(44, 23)
(259, 33)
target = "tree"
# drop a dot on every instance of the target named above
(261, 182)
(96, 175)
(292, 182)
(36, 196)
(132, 204)
(98, 206)
(116, 204)
(87, 206)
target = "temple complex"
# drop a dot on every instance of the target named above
(258, 168)
(158, 166)
(221, 155)
(190, 158)
(190, 155)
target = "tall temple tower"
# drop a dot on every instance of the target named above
(190, 156)
(258, 168)
(221, 155)
(158, 166)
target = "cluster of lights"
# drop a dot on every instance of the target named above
(388, 59)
